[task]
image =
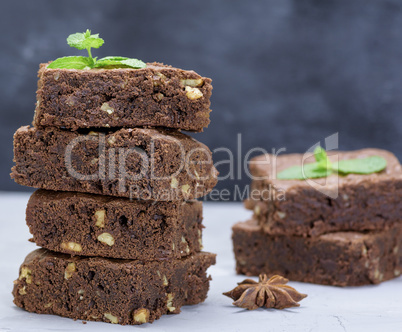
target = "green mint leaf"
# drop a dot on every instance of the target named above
(367, 165)
(308, 171)
(320, 154)
(322, 159)
(134, 63)
(71, 62)
(119, 62)
(76, 40)
(85, 40)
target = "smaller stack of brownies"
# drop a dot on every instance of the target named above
(298, 231)
(116, 214)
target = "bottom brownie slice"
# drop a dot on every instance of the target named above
(341, 258)
(110, 290)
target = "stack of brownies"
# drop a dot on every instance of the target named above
(116, 213)
(344, 230)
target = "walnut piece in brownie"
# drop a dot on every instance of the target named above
(340, 258)
(155, 96)
(110, 290)
(105, 226)
(295, 207)
(147, 164)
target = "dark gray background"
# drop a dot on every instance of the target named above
(286, 73)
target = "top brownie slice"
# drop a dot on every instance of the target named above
(155, 96)
(335, 203)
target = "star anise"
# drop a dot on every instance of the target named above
(271, 293)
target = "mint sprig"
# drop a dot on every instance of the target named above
(86, 41)
(323, 167)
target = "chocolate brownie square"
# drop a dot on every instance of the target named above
(148, 164)
(155, 96)
(339, 258)
(295, 207)
(110, 290)
(106, 226)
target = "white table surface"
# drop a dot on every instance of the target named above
(369, 308)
